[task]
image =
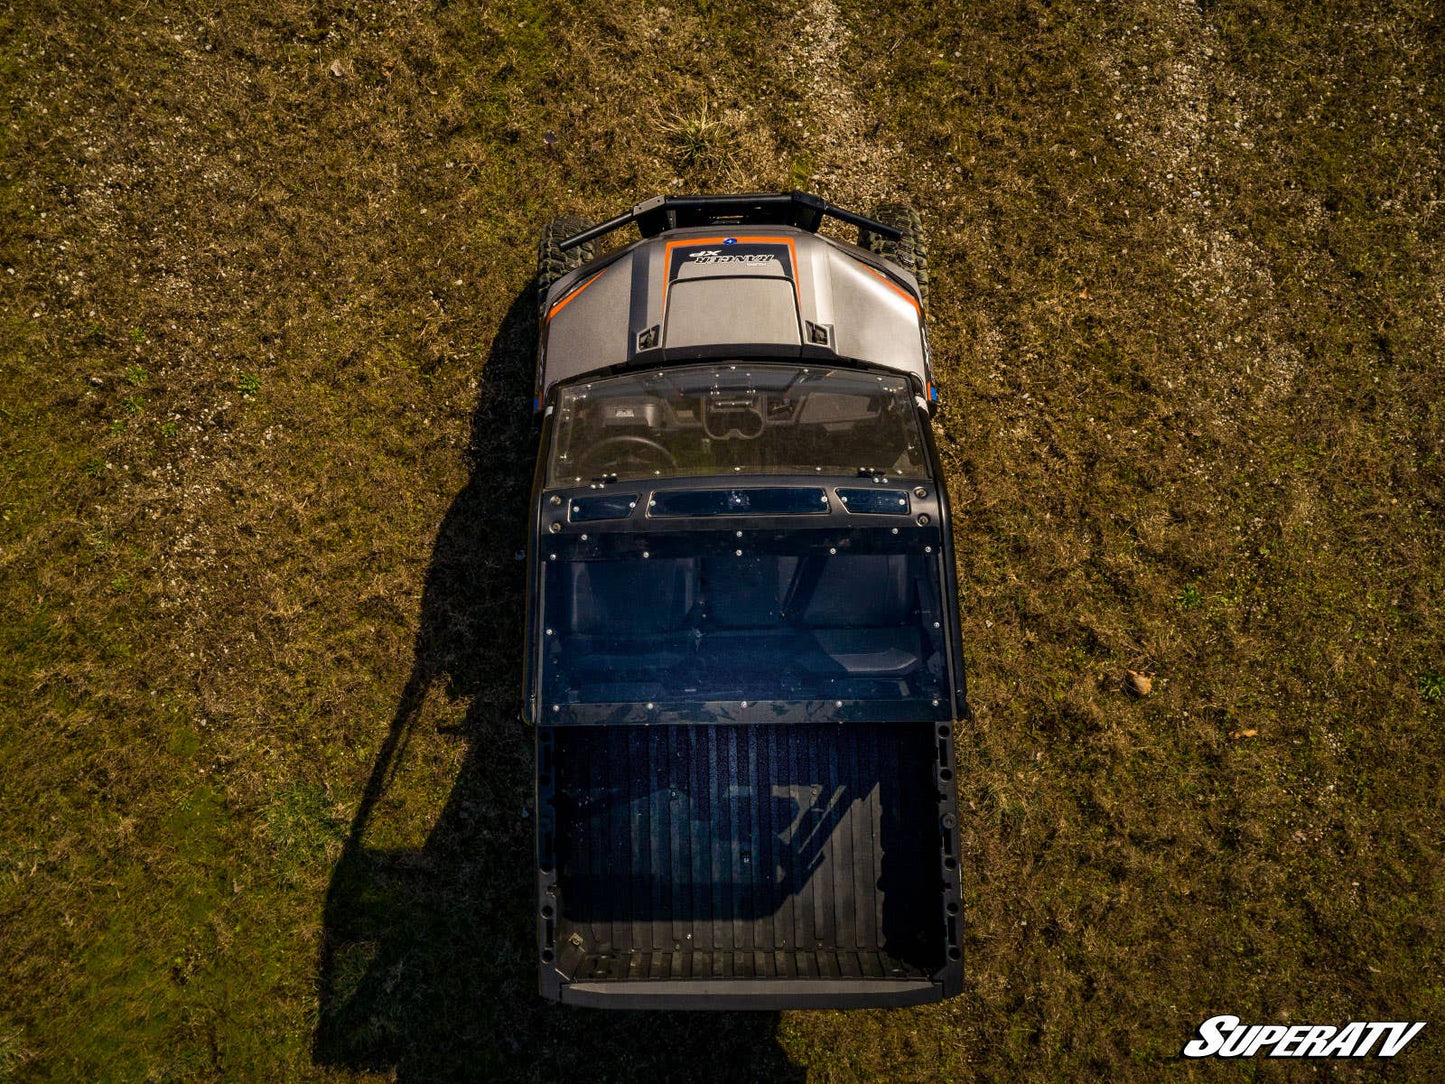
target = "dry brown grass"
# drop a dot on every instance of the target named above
(265, 450)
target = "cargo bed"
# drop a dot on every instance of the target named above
(772, 865)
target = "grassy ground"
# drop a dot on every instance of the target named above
(264, 447)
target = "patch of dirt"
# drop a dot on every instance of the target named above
(1180, 117)
(853, 162)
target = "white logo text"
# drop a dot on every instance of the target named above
(1226, 1037)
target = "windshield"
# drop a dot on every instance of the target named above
(703, 631)
(736, 419)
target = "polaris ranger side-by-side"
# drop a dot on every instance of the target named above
(744, 660)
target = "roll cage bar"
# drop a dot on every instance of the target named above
(801, 210)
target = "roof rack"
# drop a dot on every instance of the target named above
(802, 210)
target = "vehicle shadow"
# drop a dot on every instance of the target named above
(428, 958)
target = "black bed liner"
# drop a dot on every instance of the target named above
(746, 853)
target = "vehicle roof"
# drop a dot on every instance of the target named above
(733, 291)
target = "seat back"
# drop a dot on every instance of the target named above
(629, 598)
(861, 591)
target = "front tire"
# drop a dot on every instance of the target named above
(909, 252)
(552, 261)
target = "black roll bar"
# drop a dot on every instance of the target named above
(802, 210)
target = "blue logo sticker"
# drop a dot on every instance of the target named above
(730, 240)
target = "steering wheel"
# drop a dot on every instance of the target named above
(628, 454)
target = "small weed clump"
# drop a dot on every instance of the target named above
(700, 140)
(1190, 598)
(1432, 686)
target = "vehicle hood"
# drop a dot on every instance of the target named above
(705, 293)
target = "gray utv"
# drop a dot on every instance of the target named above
(744, 662)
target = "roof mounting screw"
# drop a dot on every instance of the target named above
(920, 492)
(631, 505)
(737, 553)
(584, 538)
(740, 534)
(549, 632)
(556, 499)
(555, 528)
(556, 707)
(837, 703)
(923, 519)
(645, 555)
(745, 703)
(551, 556)
(935, 703)
(927, 549)
(937, 625)
(832, 549)
(649, 705)
(895, 530)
